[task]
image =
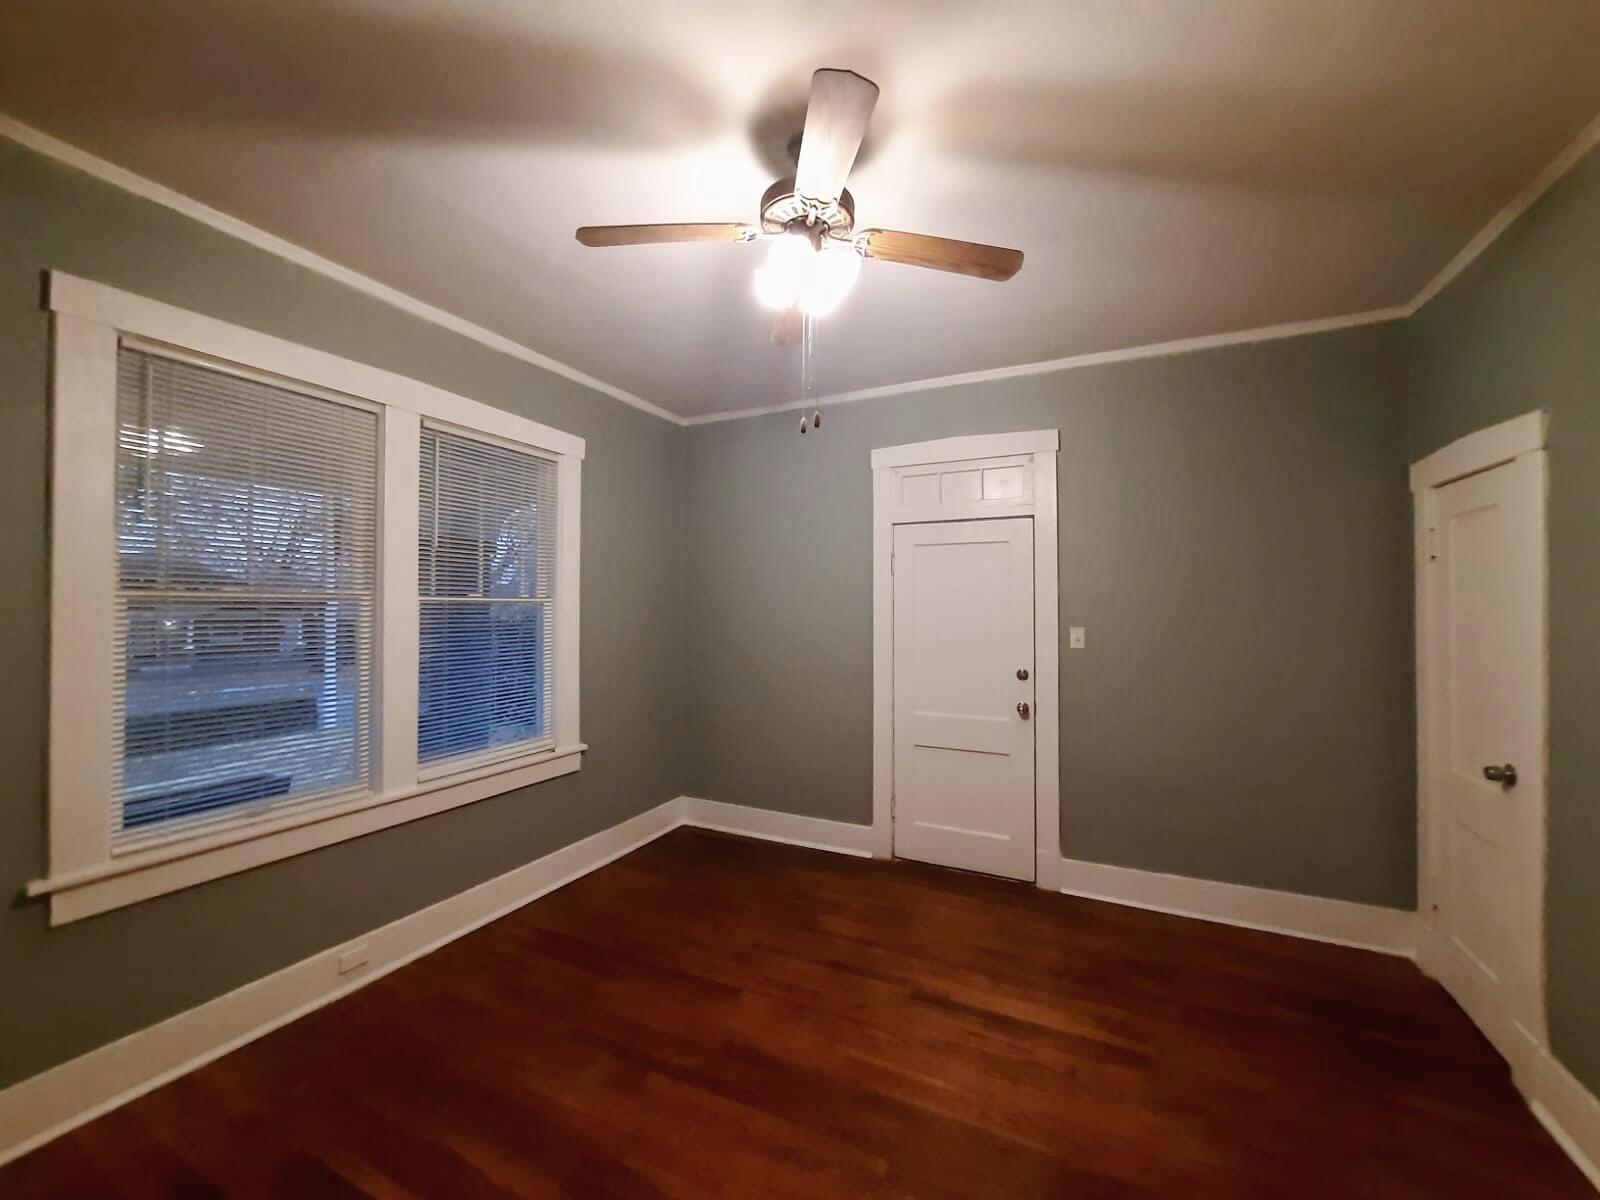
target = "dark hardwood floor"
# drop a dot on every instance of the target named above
(718, 1017)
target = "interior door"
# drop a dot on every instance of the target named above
(1486, 666)
(963, 695)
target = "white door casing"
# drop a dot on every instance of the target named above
(963, 677)
(981, 477)
(1481, 582)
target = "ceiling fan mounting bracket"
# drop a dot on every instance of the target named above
(782, 209)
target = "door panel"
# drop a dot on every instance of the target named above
(963, 759)
(1486, 658)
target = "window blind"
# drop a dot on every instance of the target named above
(486, 578)
(246, 526)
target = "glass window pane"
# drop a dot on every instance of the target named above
(481, 677)
(247, 549)
(486, 573)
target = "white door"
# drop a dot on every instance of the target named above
(963, 695)
(1486, 731)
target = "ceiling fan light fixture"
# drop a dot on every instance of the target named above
(797, 274)
(773, 290)
(810, 218)
(833, 271)
(780, 282)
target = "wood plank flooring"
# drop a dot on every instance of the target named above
(717, 1017)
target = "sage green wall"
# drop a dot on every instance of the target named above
(1520, 330)
(1235, 530)
(70, 989)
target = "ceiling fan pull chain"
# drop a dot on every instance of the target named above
(808, 326)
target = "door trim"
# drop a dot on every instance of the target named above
(1022, 467)
(1470, 455)
(1480, 451)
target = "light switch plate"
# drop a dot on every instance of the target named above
(1075, 637)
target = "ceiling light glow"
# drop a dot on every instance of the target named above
(795, 274)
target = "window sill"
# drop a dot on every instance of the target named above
(168, 868)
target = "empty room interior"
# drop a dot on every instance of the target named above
(641, 599)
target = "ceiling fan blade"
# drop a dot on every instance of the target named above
(836, 121)
(941, 254)
(651, 235)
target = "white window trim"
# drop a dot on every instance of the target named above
(84, 877)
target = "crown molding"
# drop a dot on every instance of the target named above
(107, 172)
(1547, 178)
(1265, 333)
(1571, 155)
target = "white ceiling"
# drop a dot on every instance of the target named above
(1172, 168)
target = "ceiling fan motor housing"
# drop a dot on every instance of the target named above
(782, 208)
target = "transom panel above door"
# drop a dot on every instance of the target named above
(941, 491)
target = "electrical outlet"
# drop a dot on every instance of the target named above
(354, 958)
(1075, 638)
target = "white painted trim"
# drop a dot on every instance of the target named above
(1481, 450)
(399, 632)
(967, 448)
(1521, 1036)
(1428, 865)
(60, 1099)
(1046, 672)
(1570, 1112)
(1213, 341)
(883, 664)
(1364, 926)
(127, 879)
(117, 176)
(84, 876)
(56, 1101)
(128, 181)
(83, 599)
(569, 608)
(194, 332)
(815, 833)
(1571, 155)
(1040, 450)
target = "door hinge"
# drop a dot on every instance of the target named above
(891, 564)
(1432, 544)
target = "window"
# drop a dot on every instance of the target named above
(246, 528)
(294, 599)
(486, 573)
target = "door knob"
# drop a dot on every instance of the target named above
(1022, 673)
(1505, 776)
(1023, 710)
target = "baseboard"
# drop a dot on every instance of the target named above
(51, 1103)
(1364, 926)
(1570, 1111)
(840, 837)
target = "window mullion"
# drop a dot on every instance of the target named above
(399, 621)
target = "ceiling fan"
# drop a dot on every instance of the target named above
(809, 218)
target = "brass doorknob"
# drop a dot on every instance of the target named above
(1023, 710)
